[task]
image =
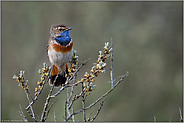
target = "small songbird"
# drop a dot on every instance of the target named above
(59, 51)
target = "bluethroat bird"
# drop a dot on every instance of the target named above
(59, 51)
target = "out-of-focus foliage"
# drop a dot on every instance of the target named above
(147, 39)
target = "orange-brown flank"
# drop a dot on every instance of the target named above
(62, 49)
(54, 71)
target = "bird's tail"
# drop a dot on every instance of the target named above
(61, 79)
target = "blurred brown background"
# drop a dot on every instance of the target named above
(147, 39)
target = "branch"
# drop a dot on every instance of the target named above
(60, 90)
(101, 105)
(39, 92)
(83, 103)
(47, 102)
(69, 96)
(73, 115)
(45, 108)
(49, 109)
(65, 109)
(111, 69)
(75, 98)
(181, 118)
(32, 115)
(121, 79)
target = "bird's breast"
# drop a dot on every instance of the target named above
(63, 49)
(58, 54)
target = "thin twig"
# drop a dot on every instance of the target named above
(60, 90)
(74, 84)
(181, 118)
(73, 118)
(55, 117)
(49, 109)
(45, 108)
(111, 69)
(32, 114)
(75, 98)
(67, 102)
(37, 116)
(22, 114)
(30, 96)
(170, 119)
(90, 116)
(65, 109)
(83, 103)
(154, 118)
(69, 97)
(101, 105)
(71, 93)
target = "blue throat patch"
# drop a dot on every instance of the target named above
(64, 39)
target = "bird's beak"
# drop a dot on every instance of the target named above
(69, 28)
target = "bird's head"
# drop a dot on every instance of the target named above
(56, 30)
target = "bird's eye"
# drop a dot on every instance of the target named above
(60, 28)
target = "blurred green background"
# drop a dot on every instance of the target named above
(147, 39)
